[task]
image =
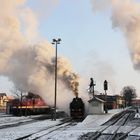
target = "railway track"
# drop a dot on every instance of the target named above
(24, 121)
(111, 130)
(49, 131)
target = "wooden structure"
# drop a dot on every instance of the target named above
(96, 106)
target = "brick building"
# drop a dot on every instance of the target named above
(3, 101)
(113, 101)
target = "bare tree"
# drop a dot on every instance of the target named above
(32, 96)
(128, 92)
(18, 94)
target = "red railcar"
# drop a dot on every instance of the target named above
(28, 107)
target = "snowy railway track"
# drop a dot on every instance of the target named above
(51, 130)
(23, 121)
(111, 130)
(15, 123)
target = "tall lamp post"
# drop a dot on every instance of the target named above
(55, 42)
(105, 89)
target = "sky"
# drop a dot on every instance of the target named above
(94, 48)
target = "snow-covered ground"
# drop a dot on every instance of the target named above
(29, 128)
(91, 123)
(19, 131)
(48, 129)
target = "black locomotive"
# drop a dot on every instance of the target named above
(77, 108)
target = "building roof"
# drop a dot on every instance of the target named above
(2, 94)
(110, 98)
(96, 99)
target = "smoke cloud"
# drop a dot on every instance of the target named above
(30, 65)
(125, 15)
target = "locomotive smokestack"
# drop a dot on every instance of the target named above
(75, 88)
(76, 94)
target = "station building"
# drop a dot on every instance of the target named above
(96, 106)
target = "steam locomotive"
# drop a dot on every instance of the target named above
(77, 108)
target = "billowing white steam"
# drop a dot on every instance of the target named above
(125, 16)
(30, 66)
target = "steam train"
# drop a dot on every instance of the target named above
(77, 108)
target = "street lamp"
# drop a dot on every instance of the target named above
(105, 89)
(55, 42)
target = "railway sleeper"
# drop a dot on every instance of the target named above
(89, 136)
(123, 136)
(94, 136)
(117, 136)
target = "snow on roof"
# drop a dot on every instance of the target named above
(96, 99)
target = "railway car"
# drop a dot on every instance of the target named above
(28, 107)
(29, 110)
(77, 108)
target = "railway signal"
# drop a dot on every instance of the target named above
(105, 89)
(91, 86)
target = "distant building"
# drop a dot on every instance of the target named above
(96, 106)
(3, 101)
(136, 102)
(113, 101)
(120, 102)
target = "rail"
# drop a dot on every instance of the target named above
(118, 120)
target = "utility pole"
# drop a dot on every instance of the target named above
(55, 41)
(105, 89)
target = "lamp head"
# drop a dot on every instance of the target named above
(59, 39)
(54, 40)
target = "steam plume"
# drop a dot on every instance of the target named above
(30, 66)
(126, 17)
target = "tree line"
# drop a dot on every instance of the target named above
(128, 93)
